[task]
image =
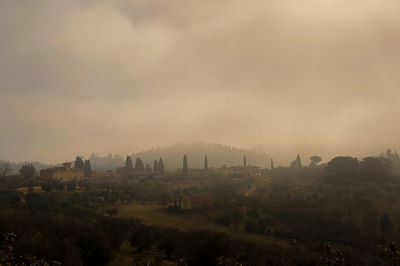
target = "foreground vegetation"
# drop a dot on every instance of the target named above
(342, 213)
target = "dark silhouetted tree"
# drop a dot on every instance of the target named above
(79, 163)
(237, 216)
(161, 166)
(88, 168)
(296, 163)
(344, 166)
(128, 162)
(389, 154)
(185, 165)
(4, 168)
(155, 166)
(374, 169)
(205, 163)
(47, 185)
(148, 168)
(71, 185)
(386, 224)
(272, 164)
(244, 161)
(27, 171)
(250, 226)
(315, 160)
(139, 165)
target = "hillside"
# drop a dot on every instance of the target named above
(217, 154)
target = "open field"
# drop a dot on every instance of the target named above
(25, 190)
(153, 214)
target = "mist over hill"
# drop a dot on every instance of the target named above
(172, 156)
(217, 155)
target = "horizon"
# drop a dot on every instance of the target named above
(281, 157)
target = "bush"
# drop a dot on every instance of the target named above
(223, 219)
(251, 226)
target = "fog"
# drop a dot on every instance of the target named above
(78, 77)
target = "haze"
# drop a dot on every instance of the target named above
(78, 77)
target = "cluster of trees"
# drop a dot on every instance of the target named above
(85, 166)
(394, 158)
(158, 165)
(28, 171)
(369, 169)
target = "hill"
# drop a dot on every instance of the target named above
(217, 155)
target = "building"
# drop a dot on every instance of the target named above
(62, 173)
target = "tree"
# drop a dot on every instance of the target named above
(71, 185)
(148, 168)
(344, 166)
(237, 216)
(389, 154)
(372, 168)
(296, 163)
(386, 224)
(128, 162)
(139, 165)
(244, 161)
(27, 171)
(4, 168)
(250, 226)
(185, 165)
(79, 163)
(205, 163)
(155, 166)
(88, 169)
(272, 164)
(315, 160)
(111, 212)
(161, 166)
(47, 185)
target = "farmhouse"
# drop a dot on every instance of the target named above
(62, 173)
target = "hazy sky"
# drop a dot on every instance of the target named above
(120, 76)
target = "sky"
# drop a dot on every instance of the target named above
(122, 76)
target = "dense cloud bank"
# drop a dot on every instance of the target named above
(99, 76)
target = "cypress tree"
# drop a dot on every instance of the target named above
(139, 165)
(272, 164)
(155, 166)
(244, 162)
(88, 169)
(161, 166)
(205, 163)
(298, 161)
(79, 163)
(128, 162)
(185, 165)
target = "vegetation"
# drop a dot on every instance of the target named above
(79, 163)
(341, 213)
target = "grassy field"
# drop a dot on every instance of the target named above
(153, 214)
(26, 189)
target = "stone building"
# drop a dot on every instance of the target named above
(62, 173)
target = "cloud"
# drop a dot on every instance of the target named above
(98, 76)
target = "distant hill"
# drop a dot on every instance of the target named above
(217, 155)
